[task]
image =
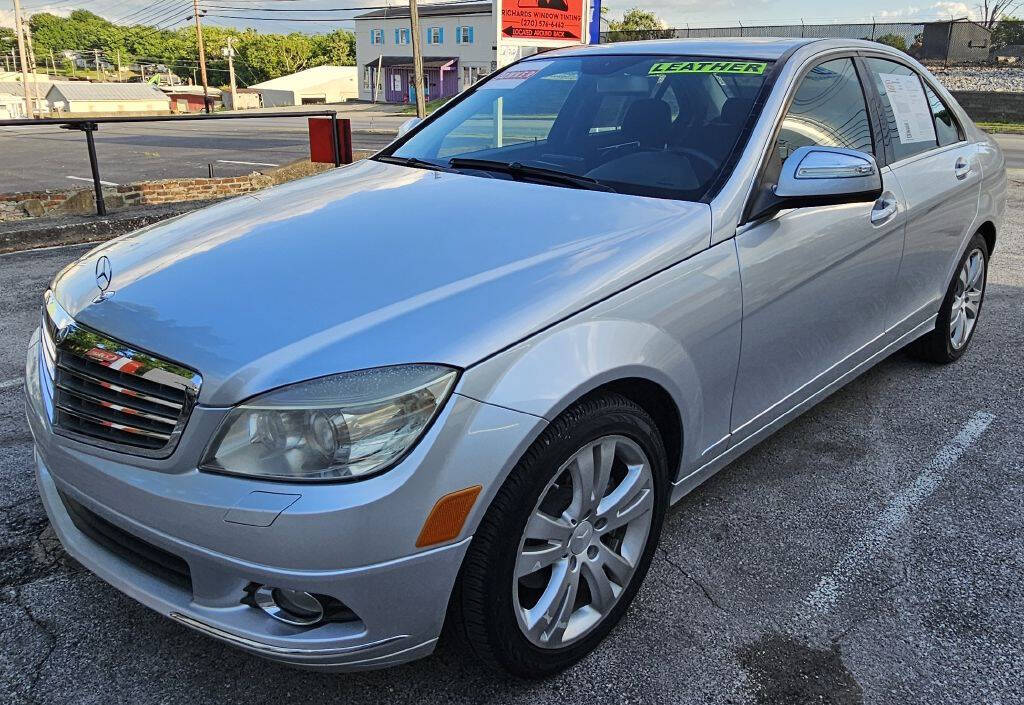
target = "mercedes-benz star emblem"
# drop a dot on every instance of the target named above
(104, 275)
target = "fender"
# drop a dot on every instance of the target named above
(693, 357)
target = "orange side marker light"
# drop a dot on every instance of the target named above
(445, 520)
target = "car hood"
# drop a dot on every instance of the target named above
(373, 264)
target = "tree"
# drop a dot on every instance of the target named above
(1009, 30)
(893, 40)
(992, 11)
(637, 24)
(336, 49)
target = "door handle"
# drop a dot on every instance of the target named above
(962, 168)
(883, 210)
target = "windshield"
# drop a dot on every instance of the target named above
(659, 126)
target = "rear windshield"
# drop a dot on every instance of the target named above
(659, 126)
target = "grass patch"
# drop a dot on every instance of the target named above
(432, 105)
(1010, 128)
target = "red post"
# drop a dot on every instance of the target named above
(322, 142)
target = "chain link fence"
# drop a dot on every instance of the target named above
(955, 42)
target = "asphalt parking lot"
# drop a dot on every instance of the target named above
(872, 551)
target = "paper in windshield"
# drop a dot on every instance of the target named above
(514, 75)
(909, 108)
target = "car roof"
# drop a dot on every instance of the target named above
(739, 48)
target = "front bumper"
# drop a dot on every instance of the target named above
(354, 542)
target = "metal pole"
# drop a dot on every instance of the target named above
(21, 54)
(89, 128)
(334, 139)
(231, 74)
(202, 57)
(32, 63)
(417, 58)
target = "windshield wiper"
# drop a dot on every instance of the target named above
(519, 170)
(414, 162)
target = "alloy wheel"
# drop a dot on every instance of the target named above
(970, 288)
(583, 541)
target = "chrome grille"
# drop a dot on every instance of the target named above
(109, 394)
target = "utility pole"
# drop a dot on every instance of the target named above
(118, 65)
(32, 63)
(417, 58)
(230, 53)
(96, 60)
(202, 57)
(21, 54)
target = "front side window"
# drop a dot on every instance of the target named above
(657, 126)
(828, 109)
(435, 35)
(376, 36)
(910, 128)
(463, 35)
(947, 129)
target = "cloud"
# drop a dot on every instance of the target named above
(936, 11)
(7, 16)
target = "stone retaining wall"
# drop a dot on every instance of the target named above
(81, 201)
(992, 106)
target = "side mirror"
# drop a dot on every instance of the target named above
(824, 176)
(408, 125)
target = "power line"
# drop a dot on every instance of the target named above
(332, 9)
(144, 10)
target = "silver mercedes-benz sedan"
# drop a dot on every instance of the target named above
(461, 381)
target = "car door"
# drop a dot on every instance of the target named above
(815, 280)
(940, 173)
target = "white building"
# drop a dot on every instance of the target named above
(459, 47)
(12, 106)
(320, 84)
(82, 97)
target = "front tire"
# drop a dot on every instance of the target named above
(961, 308)
(567, 540)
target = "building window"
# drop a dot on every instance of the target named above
(376, 36)
(396, 82)
(401, 36)
(435, 35)
(463, 35)
(367, 77)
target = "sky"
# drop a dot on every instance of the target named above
(675, 13)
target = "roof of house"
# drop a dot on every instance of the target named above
(80, 90)
(431, 10)
(190, 90)
(429, 62)
(17, 87)
(308, 77)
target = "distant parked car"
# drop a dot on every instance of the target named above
(464, 379)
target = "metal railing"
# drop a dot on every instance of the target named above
(89, 125)
(958, 42)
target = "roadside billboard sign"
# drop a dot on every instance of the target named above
(543, 23)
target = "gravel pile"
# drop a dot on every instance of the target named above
(981, 78)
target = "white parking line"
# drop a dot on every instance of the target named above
(8, 384)
(833, 585)
(228, 161)
(82, 178)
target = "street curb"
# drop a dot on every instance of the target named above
(47, 232)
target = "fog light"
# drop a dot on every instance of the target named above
(289, 606)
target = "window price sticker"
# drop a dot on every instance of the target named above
(515, 75)
(909, 108)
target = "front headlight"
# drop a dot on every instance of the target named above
(342, 427)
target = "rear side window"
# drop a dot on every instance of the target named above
(828, 110)
(906, 110)
(947, 130)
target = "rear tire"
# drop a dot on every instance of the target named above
(961, 308)
(511, 579)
